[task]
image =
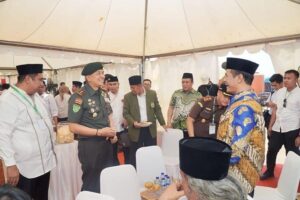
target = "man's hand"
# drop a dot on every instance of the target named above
(171, 193)
(297, 141)
(13, 175)
(114, 139)
(137, 124)
(108, 132)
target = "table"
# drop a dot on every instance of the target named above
(65, 178)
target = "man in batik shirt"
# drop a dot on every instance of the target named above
(242, 124)
(181, 103)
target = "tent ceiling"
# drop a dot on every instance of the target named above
(116, 26)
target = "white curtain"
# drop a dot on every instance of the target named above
(166, 73)
(284, 55)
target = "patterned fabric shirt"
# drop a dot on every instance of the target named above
(182, 102)
(242, 127)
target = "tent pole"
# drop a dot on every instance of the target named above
(142, 68)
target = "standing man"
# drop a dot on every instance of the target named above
(140, 106)
(116, 102)
(147, 84)
(62, 102)
(49, 103)
(284, 126)
(181, 103)
(90, 118)
(276, 84)
(76, 85)
(26, 142)
(242, 124)
(203, 119)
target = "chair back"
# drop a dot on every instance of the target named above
(86, 195)
(290, 175)
(120, 182)
(149, 163)
(170, 142)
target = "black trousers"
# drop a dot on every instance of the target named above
(94, 156)
(126, 151)
(37, 188)
(276, 140)
(145, 139)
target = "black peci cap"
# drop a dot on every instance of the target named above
(204, 158)
(30, 69)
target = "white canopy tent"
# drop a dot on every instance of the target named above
(182, 35)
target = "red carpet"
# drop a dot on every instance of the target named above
(272, 182)
(121, 158)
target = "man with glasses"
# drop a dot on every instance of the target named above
(285, 121)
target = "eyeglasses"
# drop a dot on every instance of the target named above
(284, 103)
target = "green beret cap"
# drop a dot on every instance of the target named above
(91, 68)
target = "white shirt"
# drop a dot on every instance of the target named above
(62, 105)
(143, 107)
(26, 138)
(116, 102)
(50, 104)
(287, 119)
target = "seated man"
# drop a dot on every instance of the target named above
(204, 164)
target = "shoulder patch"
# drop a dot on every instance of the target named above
(200, 104)
(76, 108)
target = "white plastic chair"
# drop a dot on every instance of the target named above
(170, 150)
(86, 195)
(149, 163)
(287, 184)
(120, 182)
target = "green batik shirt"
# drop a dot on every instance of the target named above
(182, 102)
(88, 108)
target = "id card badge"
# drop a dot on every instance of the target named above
(212, 128)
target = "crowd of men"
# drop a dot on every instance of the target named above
(106, 120)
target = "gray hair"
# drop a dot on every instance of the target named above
(225, 189)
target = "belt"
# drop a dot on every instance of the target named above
(92, 138)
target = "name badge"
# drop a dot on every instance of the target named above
(41, 124)
(212, 128)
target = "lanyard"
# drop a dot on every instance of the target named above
(213, 110)
(26, 99)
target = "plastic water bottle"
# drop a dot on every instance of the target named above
(168, 181)
(163, 183)
(162, 175)
(156, 181)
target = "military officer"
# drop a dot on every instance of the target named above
(76, 85)
(203, 119)
(91, 118)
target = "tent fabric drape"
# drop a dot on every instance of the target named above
(284, 55)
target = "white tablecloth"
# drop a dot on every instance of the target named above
(65, 179)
